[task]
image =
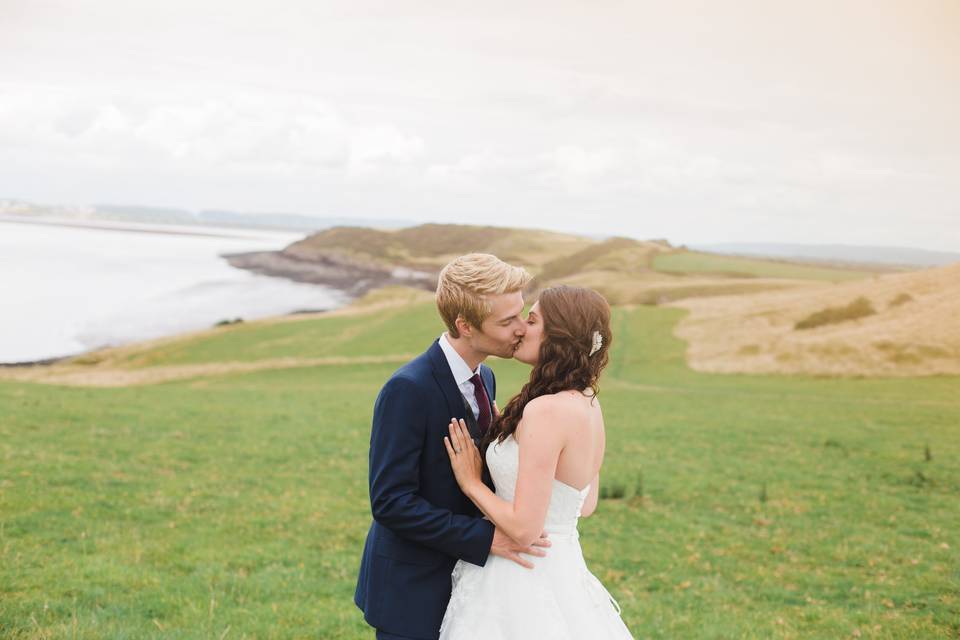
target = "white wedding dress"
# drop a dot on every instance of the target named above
(559, 599)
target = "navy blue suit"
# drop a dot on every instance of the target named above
(422, 522)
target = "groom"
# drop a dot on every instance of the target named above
(422, 522)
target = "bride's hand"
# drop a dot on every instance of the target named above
(464, 455)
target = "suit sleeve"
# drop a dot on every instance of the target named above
(396, 444)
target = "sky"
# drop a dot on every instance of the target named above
(698, 122)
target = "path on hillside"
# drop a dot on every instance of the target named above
(112, 376)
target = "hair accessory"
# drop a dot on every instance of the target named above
(597, 343)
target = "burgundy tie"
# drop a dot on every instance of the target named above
(481, 395)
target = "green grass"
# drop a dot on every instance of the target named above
(711, 263)
(236, 507)
(336, 336)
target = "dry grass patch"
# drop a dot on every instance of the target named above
(859, 308)
(902, 298)
(756, 333)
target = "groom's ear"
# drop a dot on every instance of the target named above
(464, 328)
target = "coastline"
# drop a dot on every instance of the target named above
(49, 362)
(353, 279)
(203, 231)
(45, 362)
(52, 353)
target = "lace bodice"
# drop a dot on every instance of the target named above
(503, 459)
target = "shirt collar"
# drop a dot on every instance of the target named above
(459, 368)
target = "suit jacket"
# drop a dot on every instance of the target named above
(422, 522)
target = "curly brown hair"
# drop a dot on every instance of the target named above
(570, 317)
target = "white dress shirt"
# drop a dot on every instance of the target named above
(461, 373)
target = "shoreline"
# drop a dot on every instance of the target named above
(45, 362)
(202, 231)
(55, 359)
(352, 279)
(341, 299)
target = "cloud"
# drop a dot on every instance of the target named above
(240, 132)
(383, 144)
(657, 165)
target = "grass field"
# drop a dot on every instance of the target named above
(236, 506)
(701, 262)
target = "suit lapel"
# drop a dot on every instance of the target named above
(457, 404)
(444, 378)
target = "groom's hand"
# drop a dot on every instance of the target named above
(504, 546)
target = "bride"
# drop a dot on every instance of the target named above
(544, 453)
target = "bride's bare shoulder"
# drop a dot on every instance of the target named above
(544, 404)
(543, 425)
(561, 401)
(554, 409)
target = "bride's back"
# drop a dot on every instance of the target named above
(582, 455)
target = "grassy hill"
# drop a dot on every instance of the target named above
(210, 502)
(430, 246)
(625, 270)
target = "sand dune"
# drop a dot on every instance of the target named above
(755, 333)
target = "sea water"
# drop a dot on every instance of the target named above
(66, 290)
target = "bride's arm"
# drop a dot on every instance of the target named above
(541, 440)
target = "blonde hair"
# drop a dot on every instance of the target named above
(465, 283)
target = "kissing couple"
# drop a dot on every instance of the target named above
(475, 511)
